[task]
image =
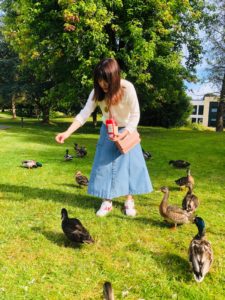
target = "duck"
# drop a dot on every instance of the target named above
(179, 164)
(81, 151)
(200, 252)
(190, 202)
(74, 230)
(108, 291)
(30, 164)
(67, 156)
(183, 181)
(171, 213)
(147, 155)
(81, 179)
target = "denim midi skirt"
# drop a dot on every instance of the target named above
(114, 174)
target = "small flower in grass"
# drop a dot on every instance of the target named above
(25, 288)
(32, 281)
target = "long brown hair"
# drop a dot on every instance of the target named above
(108, 69)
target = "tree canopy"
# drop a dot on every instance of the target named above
(60, 42)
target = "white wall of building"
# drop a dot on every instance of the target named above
(203, 112)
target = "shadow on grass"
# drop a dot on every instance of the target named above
(53, 195)
(83, 201)
(174, 265)
(57, 238)
(153, 222)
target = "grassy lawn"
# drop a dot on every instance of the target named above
(142, 257)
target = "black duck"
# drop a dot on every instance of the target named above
(200, 252)
(81, 151)
(74, 230)
(179, 164)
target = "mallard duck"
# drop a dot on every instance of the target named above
(200, 252)
(147, 155)
(81, 179)
(172, 214)
(179, 164)
(190, 201)
(183, 181)
(67, 156)
(81, 151)
(108, 291)
(74, 230)
(31, 164)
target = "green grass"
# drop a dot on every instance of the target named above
(142, 256)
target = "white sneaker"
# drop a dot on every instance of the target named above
(129, 208)
(105, 208)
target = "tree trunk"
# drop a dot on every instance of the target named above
(45, 115)
(3, 109)
(14, 107)
(221, 108)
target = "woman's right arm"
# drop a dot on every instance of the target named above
(79, 120)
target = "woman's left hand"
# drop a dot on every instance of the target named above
(120, 136)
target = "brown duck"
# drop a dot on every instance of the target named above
(190, 201)
(171, 213)
(183, 181)
(81, 179)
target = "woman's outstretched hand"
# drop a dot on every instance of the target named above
(61, 137)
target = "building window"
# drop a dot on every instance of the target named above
(212, 113)
(194, 110)
(201, 109)
(200, 120)
(193, 120)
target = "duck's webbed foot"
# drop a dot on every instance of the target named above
(173, 227)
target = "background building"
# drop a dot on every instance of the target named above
(205, 111)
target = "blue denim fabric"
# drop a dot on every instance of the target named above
(114, 174)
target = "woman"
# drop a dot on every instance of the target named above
(113, 174)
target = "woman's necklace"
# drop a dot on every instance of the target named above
(106, 109)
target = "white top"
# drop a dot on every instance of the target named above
(126, 113)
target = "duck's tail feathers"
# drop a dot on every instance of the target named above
(198, 277)
(90, 240)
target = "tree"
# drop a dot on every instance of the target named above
(216, 35)
(9, 86)
(61, 42)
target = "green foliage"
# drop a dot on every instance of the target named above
(61, 42)
(196, 126)
(9, 83)
(142, 257)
